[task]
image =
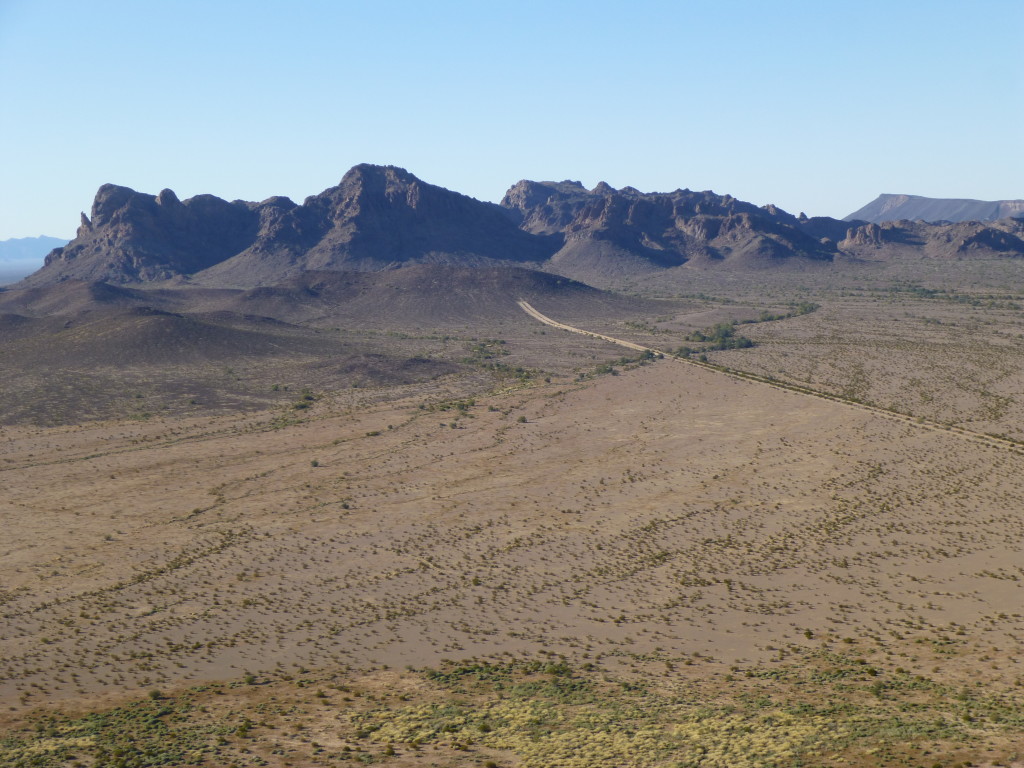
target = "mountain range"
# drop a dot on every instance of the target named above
(382, 217)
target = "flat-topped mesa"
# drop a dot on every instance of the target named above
(889, 207)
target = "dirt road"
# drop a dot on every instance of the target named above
(967, 434)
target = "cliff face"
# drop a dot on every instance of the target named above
(135, 237)
(380, 217)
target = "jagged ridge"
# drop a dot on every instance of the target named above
(381, 217)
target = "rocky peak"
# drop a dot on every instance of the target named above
(111, 198)
(367, 182)
(547, 207)
(167, 199)
(524, 195)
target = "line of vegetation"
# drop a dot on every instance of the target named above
(990, 437)
(988, 300)
(795, 310)
(626, 363)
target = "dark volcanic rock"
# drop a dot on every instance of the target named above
(970, 237)
(135, 237)
(548, 207)
(381, 217)
(376, 218)
(605, 229)
(967, 239)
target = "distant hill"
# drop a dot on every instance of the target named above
(21, 256)
(932, 209)
(428, 295)
(75, 350)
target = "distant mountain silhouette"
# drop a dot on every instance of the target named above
(25, 248)
(933, 209)
(20, 256)
(382, 217)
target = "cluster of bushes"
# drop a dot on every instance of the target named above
(462, 406)
(721, 336)
(306, 401)
(485, 349)
(724, 336)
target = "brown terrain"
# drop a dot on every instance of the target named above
(391, 517)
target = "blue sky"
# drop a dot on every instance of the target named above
(813, 106)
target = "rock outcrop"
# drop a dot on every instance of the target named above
(135, 237)
(966, 239)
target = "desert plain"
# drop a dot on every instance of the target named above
(547, 550)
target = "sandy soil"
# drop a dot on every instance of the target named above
(666, 514)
